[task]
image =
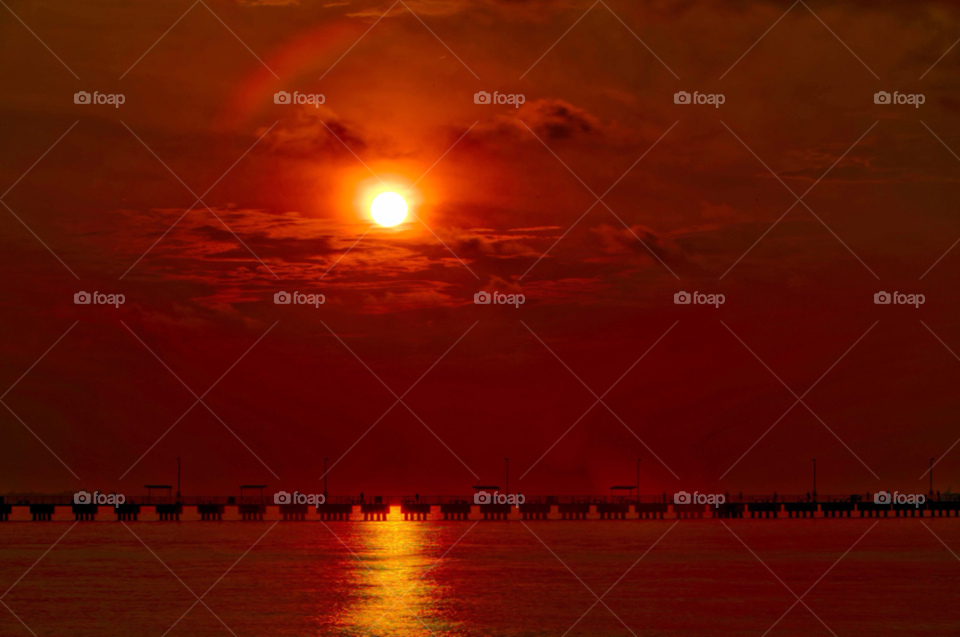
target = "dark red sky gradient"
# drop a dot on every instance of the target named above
(400, 100)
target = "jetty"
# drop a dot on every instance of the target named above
(262, 508)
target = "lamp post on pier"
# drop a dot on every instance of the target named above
(814, 478)
(638, 479)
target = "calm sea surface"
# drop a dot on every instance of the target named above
(490, 578)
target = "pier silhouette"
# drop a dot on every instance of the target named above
(419, 508)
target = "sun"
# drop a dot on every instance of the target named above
(388, 209)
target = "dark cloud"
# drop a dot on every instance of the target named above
(553, 120)
(315, 133)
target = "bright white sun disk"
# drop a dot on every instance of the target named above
(388, 209)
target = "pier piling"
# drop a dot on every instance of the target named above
(210, 512)
(415, 512)
(169, 512)
(252, 512)
(534, 511)
(455, 511)
(376, 512)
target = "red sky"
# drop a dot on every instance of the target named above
(509, 183)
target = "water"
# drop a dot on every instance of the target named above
(500, 578)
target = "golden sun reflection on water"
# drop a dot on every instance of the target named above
(395, 589)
